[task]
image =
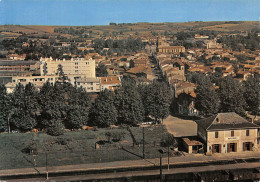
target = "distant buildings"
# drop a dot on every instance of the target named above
(171, 49)
(18, 68)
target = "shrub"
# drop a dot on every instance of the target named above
(56, 129)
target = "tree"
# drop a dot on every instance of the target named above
(252, 94)
(207, 101)
(103, 112)
(101, 70)
(231, 96)
(128, 103)
(78, 102)
(4, 111)
(52, 103)
(157, 99)
(24, 104)
(61, 73)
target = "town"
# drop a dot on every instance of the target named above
(150, 96)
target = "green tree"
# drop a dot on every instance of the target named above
(4, 111)
(52, 103)
(128, 103)
(231, 96)
(25, 106)
(101, 70)
(157, 99)
(103, 112)
(207, 100)
(60, 72)
(252, 94)
(78, 101)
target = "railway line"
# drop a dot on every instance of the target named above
(236, 169)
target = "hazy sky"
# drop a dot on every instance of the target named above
(102, 12)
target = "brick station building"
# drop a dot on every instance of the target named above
(227, 132)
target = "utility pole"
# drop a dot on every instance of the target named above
(160, 168)
(47, 174)
(9, 129)
(168, 158)
(143, 144)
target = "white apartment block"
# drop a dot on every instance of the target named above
(89, 84)
(74, 66)
(38, 81)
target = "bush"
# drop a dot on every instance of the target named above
(117, 136)
(31, 148)
(168, 140)
(56, 129)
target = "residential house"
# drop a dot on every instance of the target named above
(186, 104)
(110, 83)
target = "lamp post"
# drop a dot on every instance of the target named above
(143, 144)
(46, 164)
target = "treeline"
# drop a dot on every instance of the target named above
(239, 42)
(118, 46)
(59, 106)
(226, 94)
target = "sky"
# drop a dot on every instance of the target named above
(102, 12)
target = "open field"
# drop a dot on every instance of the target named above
(130, 28)
(78, 147)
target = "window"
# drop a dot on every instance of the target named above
(216, 134)
(247, 132)
(232, 133)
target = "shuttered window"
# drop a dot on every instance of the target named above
(216, 134)
(232, 133)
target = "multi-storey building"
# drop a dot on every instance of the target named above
(38, 81)
(227, 132)
(18, 68)
(74, 66)
(171, 49)
(89, 84)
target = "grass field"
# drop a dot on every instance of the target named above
(78, 147)
(139, 27)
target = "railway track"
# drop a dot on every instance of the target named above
(135, 171)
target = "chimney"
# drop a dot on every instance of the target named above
(252, 120)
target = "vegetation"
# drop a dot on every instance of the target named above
(207, 100)
(77, 147)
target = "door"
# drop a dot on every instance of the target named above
(232, 147)
(216, 148)
(247, 146)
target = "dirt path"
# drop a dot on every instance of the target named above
(180, 127)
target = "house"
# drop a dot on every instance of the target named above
(110, 83)
(186, 104)
(227, 132)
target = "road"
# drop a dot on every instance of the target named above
(180, 127)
